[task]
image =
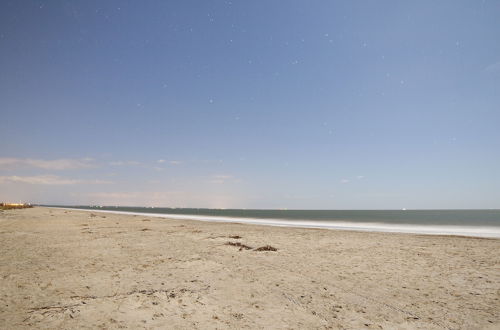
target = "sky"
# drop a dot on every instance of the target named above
(251, 104)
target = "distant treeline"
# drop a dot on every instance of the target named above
(10, 206)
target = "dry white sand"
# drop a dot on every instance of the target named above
(64, 269)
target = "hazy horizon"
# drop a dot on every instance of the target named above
(257, 209)
(251, 105)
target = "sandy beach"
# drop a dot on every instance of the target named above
(62, 269)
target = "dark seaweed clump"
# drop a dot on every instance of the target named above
(238, 244)
(266, 248)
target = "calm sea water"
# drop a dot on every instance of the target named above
(479, 218)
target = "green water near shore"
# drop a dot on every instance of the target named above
(410, 217)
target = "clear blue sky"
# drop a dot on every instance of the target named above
(251, 104)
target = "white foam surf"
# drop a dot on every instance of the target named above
(473, 231)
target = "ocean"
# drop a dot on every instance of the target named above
(480, 223)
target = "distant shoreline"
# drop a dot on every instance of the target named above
(12, 206)
(422, 229)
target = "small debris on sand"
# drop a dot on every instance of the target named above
(238, 244)
(266, 248)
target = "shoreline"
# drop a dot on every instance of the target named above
(67, 269)
(437, 230)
